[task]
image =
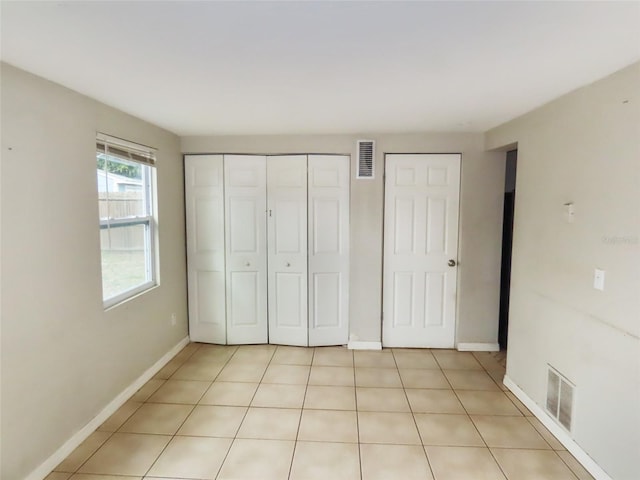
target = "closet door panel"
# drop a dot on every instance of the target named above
(204, 200)
(245, 299)
(246, 248)
(290, 306)
(328, 180)
(287, 240)
(326, 287)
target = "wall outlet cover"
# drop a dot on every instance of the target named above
(598, 279)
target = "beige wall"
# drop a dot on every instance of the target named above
(480, 220)
(63, 357)
(582, 148)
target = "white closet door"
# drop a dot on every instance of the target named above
(420, 250)
(287, 240)
(246, 248)
(328, 178)
(204, 198)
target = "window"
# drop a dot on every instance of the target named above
(127, 224)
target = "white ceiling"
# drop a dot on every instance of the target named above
(203, 68)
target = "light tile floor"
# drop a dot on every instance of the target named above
(264, 412)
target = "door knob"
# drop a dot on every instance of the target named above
(247, 264)
(288, 264)
(451, 263)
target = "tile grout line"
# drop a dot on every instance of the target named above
(245, 414)
(413, 416)
(235, 437)
(192, 410)
(504, 474)
(190, 413)
(77, 470)
(355, 398)
(569, 467)
(304, 398)
(523, 415)
(168, 443)
(476, 428)
(111, 434)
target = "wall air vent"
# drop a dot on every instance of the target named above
(366, 156)
(560, 397)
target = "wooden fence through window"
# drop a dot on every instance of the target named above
(122, 205)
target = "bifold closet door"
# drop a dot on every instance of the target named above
(246, 248)
(204, 200)
(291, 289)
(287, 245)
(328, 193)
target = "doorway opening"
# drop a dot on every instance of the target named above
(507, 244)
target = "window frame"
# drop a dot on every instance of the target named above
(145, 157)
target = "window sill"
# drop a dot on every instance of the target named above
(125, 297)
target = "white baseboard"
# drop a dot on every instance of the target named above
(352, 345)
(70, 445)
(478, 347)
(563, 437)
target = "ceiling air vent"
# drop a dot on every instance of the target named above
(365, 158)
(560, 398)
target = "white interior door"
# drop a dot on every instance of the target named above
(328, 249)
(246, 248)
(204, 198)
(420, 243)
(287, 245)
